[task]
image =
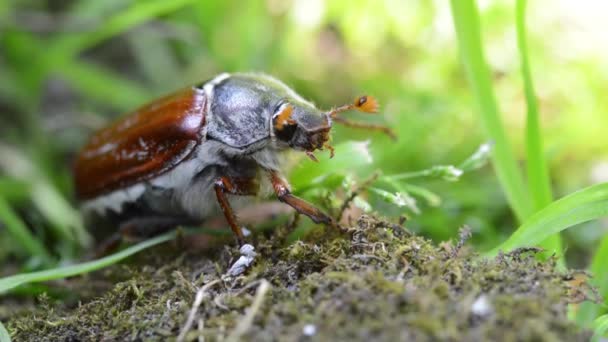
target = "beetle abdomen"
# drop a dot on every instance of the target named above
(142, 145)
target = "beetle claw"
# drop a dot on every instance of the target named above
(331, 150)
(311, 155)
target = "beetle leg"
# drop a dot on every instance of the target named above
(241, 187)
(281, 189)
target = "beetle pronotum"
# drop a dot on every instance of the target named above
(174, 160)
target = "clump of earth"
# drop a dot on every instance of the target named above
(376, 281)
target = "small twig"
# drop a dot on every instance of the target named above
(356, 193)
(367, 257)
(247, 287)
(291, 226)
(201, 329)
(218, 299)
(247, 320)
(198, 300)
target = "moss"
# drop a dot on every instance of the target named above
(375, 281)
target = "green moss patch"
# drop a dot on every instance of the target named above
(374, 281)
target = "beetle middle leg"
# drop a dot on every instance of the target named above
(238, 186)
(281, 189)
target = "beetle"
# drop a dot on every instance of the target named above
(175, 160)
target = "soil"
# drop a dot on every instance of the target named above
(374, 281)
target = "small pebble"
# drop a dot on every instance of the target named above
(309, 330)
(481, 306)
(246, 259)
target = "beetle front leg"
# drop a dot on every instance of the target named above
(243, 187)
(281, 189)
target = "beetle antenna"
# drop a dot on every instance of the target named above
(364, 125)
(366, 104)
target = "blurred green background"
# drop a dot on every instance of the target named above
(69, 67)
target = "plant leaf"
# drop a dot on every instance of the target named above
(20, 233)
(538, 175)
(4, 335)
(350, 157)
(584, 205)
(588, 311)
(600, 328)
(466, 22)
(139, 12)
(11, 282)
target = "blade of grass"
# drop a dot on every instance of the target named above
(11, 282)
(58, 211)
(588, 311)
(63, 218)
(445, 172)
(155, 58)
(538, 175)
(430, 197)
(399, 198)
(14, 190)
(138, 13)
(600, 328)
(103, 85)
(20, 233)
(584, 205)
(466, 22)
(4, 335)
(93, 81)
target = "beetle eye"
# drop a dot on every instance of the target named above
(282, 122)
(279, 106)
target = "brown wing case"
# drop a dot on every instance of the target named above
(141, 145)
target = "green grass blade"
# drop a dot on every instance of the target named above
(58, 211)
(430, 197)
(4, 335)
(600, 328)
(538, 176)
(138, 13)
(11, 282)
(64, 219)
(588, 311)
(103, 85)
(466, 22)
(20, 233)
(584, 205)
(95, 82)
(14, 190)
(156, 59)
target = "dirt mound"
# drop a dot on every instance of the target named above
(375, 281)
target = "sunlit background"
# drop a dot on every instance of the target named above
(68, 67)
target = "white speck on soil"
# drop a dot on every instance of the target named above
(309, 330)
(482, 306)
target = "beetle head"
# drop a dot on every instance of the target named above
(300, 126)
(303, 127)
